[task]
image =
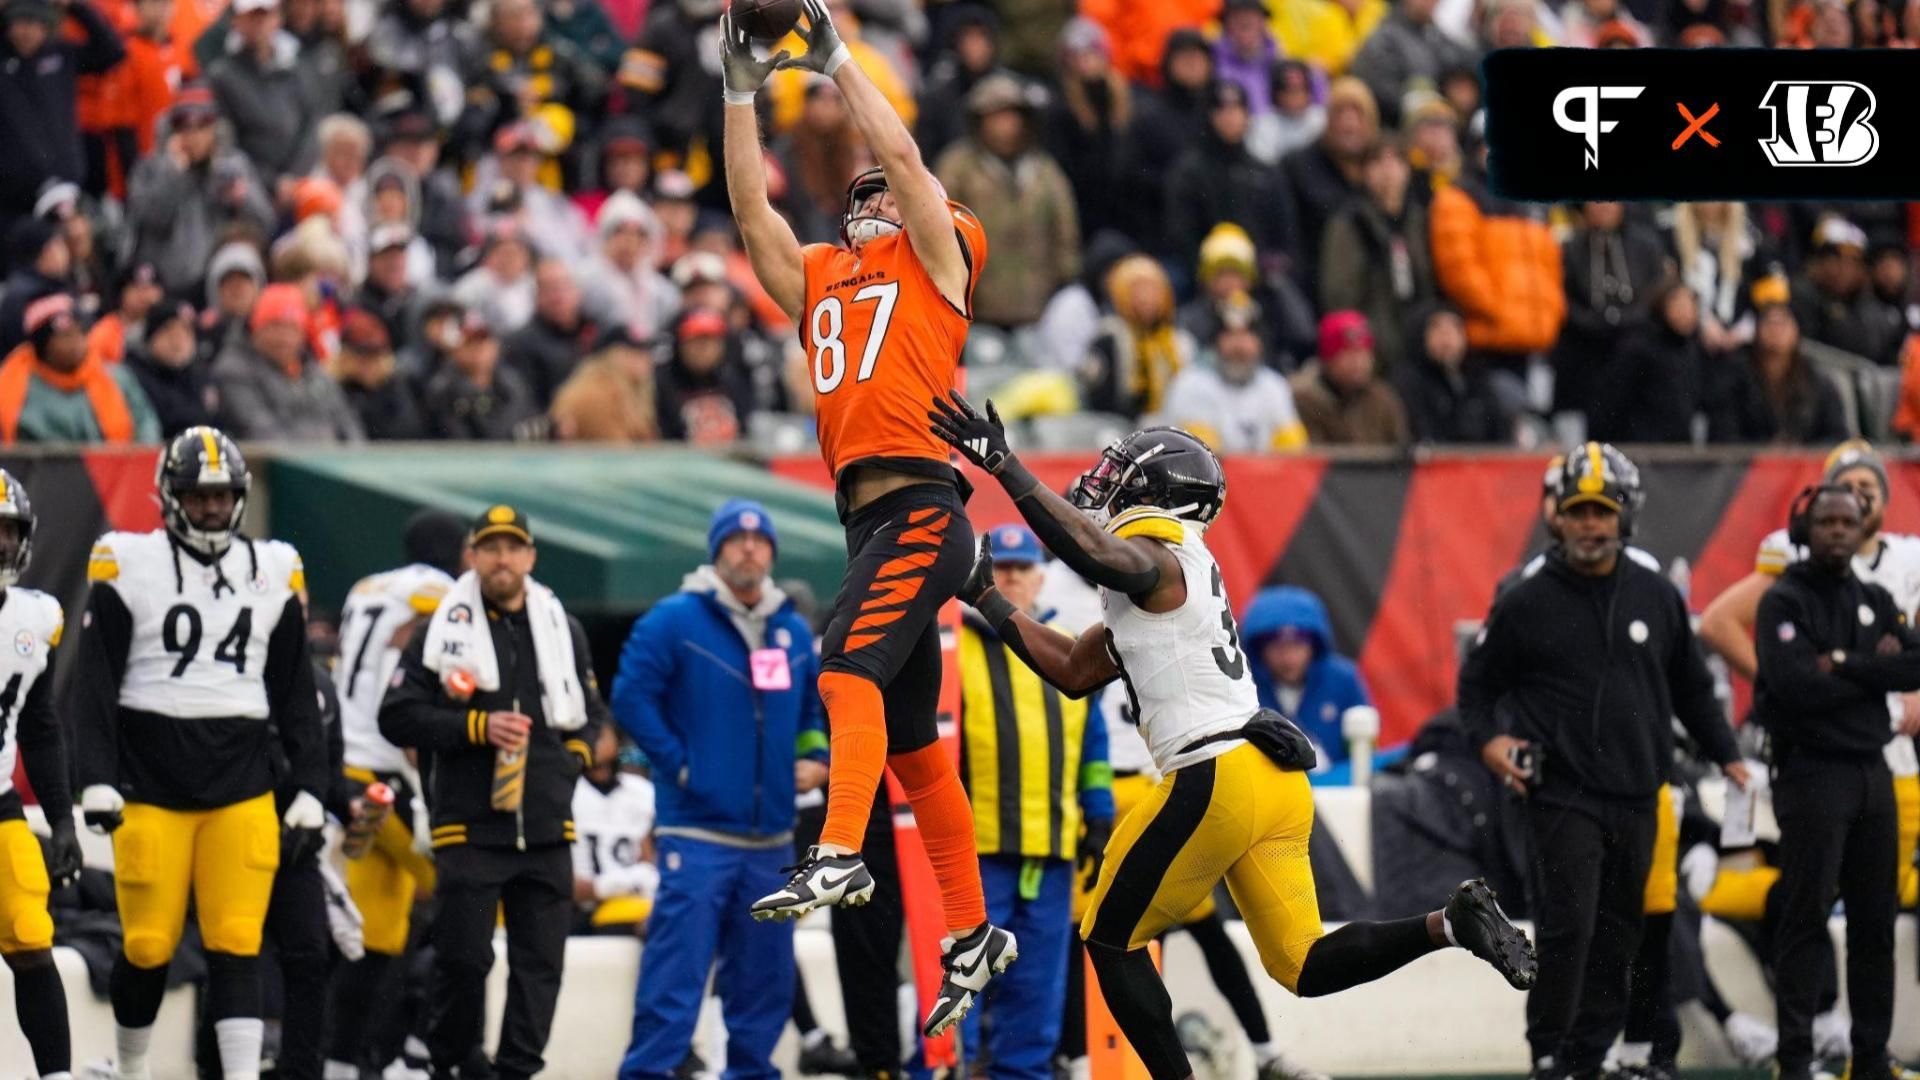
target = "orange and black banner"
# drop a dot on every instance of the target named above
(1771, 124)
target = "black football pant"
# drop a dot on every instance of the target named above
(1591, 863)
(1838, 832)
(296, 946)
(866, 942)
(536, 888)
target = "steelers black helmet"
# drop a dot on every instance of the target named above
(1158, 466)
(17, 508)
(198, 459)
(1597, 472)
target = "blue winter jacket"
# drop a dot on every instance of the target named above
(1333, 681)
(722, 752)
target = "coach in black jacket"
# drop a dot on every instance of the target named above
(1831, 647)
(1590, 658)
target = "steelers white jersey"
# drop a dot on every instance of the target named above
(1186, 677)
(377, 612)
(610, 827)
(30, 626)
(1076, 603)
(1896, 568)
(200, 631)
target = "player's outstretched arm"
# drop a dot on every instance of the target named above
(1137, 569)
(923, 209)
(1074, 666)
(771, 246)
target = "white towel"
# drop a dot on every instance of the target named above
(458, 640)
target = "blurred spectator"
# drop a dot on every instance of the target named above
(1342, 400)
(1090, 132)
(500, 289)
(1890, 270)
(1173, 117)
(263, 94)
(890, 71)
(1512, 24)
(1137, 350)
(422, 45)
(1145, 36)
(1773, 394)
(41, 265)
(1500, 265)
(610, 395)
(1445, 389)
(674, 203)
(321, 28)
(971, 53)
(1072, 317)
(234, 279)
(38, 121)
(271, 388)
(472, 396)
(623, 288)
(1407, 46)
(820, 154)
(1660, 383)
(1610, 265)
(1217, 180)
(1022, 199)
(1298, 671)
(1833, 302)
(1325, 176)
(703, 280)
(540, 209)
(534, 78)
(1592, 24)
(1715, 243)
(129, 98)
(439, 215)
(385, 401)
(91, 269)
(387, 293)
(442, 322)
(614, 876)
(703, 399)
(1431, 127)
(170, 371)
(1238, 404)
(1296, 119)
(1245, 51)
(120, 331)
(1906, 414)
(1228, 274)
(183, 199)
(345, 144)
(51, 390)
(1326, 33)
(390, 209)
(545, 350)
(585, 25)
(625, 162)
(674, 77)
(1377, 258)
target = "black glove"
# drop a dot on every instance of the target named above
(63, 853)
(980, 439)
(1093, 852)
(300, 835)
(980, 578)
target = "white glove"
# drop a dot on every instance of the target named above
(304, 812)
(422, 826)
(1753, 1039)
(343, 919)
(640, 879)
(1699, 867)
(101, 805)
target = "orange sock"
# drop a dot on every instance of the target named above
(857, 751)
(945, 817)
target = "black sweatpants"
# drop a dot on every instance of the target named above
(1838, 831)
(1591, 862)
(866, 947)
(296, 929)
(536, 888)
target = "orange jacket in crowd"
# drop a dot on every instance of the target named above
(1906, 413)
(1138, 30)
(1500, 268)
(131, 97)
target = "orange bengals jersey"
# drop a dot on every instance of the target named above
(882, 343)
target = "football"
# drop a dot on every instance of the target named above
(766, 20)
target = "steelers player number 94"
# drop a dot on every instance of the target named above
(180, 634)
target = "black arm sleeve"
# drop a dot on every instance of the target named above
(294, 702)
(1691, 685)
(44, 747)
(999, 615)
(94, 697)
(416, 713)
(1042, 510)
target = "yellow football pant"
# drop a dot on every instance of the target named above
(1129, 792)
(1663, 878)
(1906, 798)
(385, 881)
(1237, 816)
(224, 857)
(25, 925)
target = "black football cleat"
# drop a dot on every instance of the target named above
(1479, 926)
(969, 963)
(820, 880)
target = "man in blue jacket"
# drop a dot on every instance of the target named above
(1297, 672)
(716, 686)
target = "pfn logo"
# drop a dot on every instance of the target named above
(1589, 126)
(1825, 123)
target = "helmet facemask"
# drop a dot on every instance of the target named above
(857, 227)
(175, 479)
(12, 568)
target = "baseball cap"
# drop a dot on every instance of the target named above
(389, 236)
(737, 516)
(1016, 545)
(1343, 330)
(702, 323)
(363, 332)
(242, 7)
(500, 520)
(279, 303)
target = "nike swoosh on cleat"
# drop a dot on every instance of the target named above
(829, 886)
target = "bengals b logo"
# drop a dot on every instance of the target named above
(1819, 123)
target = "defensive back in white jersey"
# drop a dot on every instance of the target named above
(372, 625)
(1183, 669)
(30, 626)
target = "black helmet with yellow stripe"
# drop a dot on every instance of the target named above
(17, 508)
(1597, 472)
(201, 459)
(1163, 467)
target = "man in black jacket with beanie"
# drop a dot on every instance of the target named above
(1590, 658)
(1831, 647)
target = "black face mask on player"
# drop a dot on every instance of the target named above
(1163, 467)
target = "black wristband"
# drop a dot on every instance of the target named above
(994, 608)
(1014, 477)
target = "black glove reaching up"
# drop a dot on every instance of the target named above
(980, 439)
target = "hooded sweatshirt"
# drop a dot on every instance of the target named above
(1333, 683)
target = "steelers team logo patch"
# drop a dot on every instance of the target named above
(1637, 630)
(23, 643)
(258, 584)
(460, 613)
(1866, 615)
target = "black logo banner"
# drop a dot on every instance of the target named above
(1769, 124)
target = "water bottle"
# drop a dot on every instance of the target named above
(372, 813)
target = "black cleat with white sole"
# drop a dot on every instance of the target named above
(821, 880)
(969, 963)
(1479, 926)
